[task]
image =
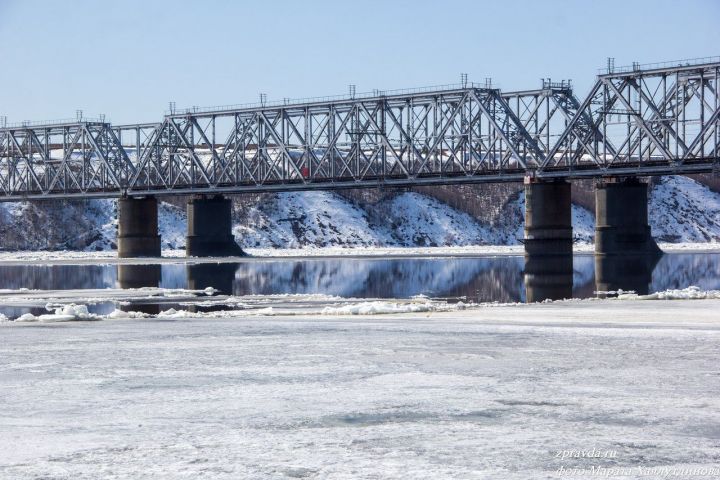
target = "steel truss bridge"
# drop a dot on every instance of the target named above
(639, 121)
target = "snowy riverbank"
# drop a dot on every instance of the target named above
(680, 210)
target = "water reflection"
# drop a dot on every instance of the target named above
(548, 277)
(138, 276)
(220, 276)
(56, 277)
(501, 279)
(624, 272)
(483, 279)
(681, 270)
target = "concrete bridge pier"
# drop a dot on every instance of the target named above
(209, 228)
(548, 219)
(621, 219)
(138, 227)
(548, 240)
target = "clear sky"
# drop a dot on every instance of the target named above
(128, 59)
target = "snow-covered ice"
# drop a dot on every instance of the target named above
(689, 293)
(72, 305)
(379, 307)
(478, 393)
(62, 313)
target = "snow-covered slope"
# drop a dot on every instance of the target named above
(290, 220)
(583, 223)
(172, 224)
(419, 220)
(683, 210)
(76, 225)
(680, 209)
(48, 225)
(296, 219)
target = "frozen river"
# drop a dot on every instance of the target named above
(493, 392)
(274, 368)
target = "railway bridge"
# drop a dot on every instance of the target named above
(635, 122)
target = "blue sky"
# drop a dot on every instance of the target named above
(128, 59)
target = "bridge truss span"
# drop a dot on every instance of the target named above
(436, 134)
(645, 122)
(70, 158)
(632, 123)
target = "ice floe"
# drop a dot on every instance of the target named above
(62, 313)
(689, 293)
(182, 304)
(383, 307)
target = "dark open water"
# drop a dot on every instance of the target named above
(501, 279)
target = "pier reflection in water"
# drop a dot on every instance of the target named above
(548, 277)
(624, 272)
(498, 279)
(139, 276)
(220, 276)
(553, 277)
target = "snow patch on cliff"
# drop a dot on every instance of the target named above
(325, 219)
(683, 210)
(172, 224)
(296, 219)
(89, 225)
(419, 220)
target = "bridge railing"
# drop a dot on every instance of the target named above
(52, 123)
(638, 67)
(332, 98)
